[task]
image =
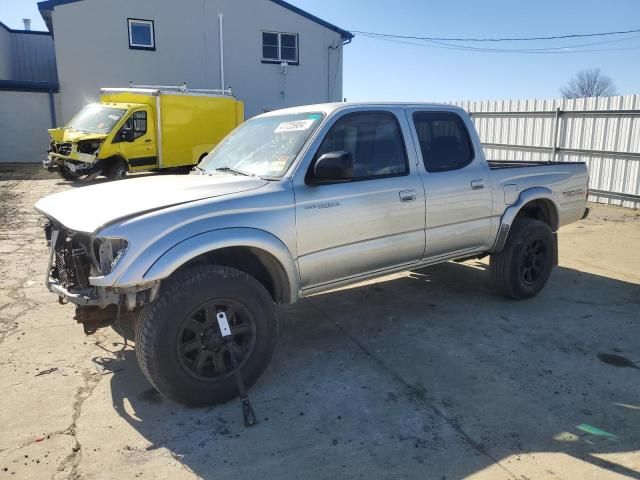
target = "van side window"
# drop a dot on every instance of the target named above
(444, 141)
(138, 123)
(375, 142)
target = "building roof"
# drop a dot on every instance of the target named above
(47, 6)
(31, 32)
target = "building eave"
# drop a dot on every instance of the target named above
(47, 6)
(346, 35)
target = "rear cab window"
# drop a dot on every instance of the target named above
(444, 141)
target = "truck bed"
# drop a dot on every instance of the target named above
(501, 164)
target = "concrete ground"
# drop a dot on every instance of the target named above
(428, 374)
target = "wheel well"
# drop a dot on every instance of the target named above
(260, 264)
(540, 209)
(109, 162)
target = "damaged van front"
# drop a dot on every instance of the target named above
(81, 148)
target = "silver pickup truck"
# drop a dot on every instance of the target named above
(293, 203)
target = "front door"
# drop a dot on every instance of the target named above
(457, 184)
(140, 149)
(371, 222)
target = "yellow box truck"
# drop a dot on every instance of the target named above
(142, 128)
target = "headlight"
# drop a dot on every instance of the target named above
(89, 147)
(108, 252)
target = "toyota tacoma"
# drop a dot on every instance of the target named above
(294, 203)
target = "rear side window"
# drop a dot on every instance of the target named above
(375, 142)
(444, 141)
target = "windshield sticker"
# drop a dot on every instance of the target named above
(294, 126)
(114, 117)
(315, 116)
(279, 164)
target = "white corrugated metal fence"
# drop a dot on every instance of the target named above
(603, 132)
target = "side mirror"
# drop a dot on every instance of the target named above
(333, 167)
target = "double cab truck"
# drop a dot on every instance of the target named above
(294, 203)
(144, 128)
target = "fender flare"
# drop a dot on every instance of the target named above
(510, 214)
(193, 247)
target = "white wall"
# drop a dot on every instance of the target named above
(92, 49)
(24, 120)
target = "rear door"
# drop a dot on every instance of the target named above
(370, 223)
(456, 179)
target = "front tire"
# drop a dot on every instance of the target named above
(178, 341)
(523, 268)
(67, 174)
(117, 170)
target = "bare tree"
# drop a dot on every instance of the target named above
(589, 83)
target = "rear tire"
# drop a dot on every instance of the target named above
(523, 268)
(178, 342)
(117, 170)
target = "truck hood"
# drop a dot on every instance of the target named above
(86, 209)
(63, 135)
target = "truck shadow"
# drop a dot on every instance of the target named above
(431, 375)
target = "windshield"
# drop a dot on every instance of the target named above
(263, 147)
(96, 118)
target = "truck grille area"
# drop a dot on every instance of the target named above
(70, 265)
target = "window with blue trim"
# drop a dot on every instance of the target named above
(141, 34)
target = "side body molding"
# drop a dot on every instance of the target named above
(200, 244)
(510, 214)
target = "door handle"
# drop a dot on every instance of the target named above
(477, 184)
(408, 196)
(148, 140)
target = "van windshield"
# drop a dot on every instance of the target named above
(96, 118)
(263, 146)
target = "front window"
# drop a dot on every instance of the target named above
(375, 142)
(137, 123)
(263, 146)
(279, 47)
(96, 118)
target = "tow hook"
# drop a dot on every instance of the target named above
(95, 318)
(247, 410)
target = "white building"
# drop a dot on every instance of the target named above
(272, 55)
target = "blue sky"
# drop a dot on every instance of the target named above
(382, 70)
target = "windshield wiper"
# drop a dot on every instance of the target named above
(234, 171)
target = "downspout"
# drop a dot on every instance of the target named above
(52, 109)
(330, 87)
(220, 17)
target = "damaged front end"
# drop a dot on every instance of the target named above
(75, 158)
(75, 259)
